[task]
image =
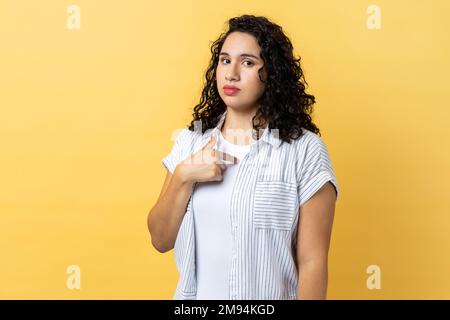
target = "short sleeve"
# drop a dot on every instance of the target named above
(315, 168)
(178, 152)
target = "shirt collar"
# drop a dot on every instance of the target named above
(268, 136)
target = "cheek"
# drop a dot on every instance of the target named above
(219, 75)
(256, 83)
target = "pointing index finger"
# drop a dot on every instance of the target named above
(227, 157)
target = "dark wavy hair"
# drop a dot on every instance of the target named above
(284, 104)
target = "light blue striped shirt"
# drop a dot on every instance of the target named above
(274, 179)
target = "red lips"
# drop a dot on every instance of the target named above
(230, 87)
(229, 90)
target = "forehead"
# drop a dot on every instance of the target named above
(237, 42)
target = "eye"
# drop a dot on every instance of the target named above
(250, 62)
(223, 59)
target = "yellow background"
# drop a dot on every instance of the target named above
(87, 115)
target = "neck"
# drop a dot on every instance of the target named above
(237, 126)
(238, 119)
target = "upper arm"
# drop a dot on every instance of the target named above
(180, 149)
(315, 223)
(314, 168)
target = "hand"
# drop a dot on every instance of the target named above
(207, 164)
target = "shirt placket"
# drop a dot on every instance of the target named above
(236, 192)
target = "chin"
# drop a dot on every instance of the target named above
(233, 105)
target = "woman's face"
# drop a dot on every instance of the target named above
(239, 62)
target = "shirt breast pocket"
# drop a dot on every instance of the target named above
(274, 204)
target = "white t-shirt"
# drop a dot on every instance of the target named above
(213, 237)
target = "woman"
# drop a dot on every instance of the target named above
(241, 175)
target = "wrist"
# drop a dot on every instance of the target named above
(182, 176)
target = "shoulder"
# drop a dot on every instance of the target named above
(311, 151)
(183, 136)
(309, 141)
(187, 140)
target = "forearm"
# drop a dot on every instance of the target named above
(165, 218)
(313, 280)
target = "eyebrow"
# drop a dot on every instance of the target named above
(241, 55)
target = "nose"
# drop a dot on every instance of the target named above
(232, 73)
